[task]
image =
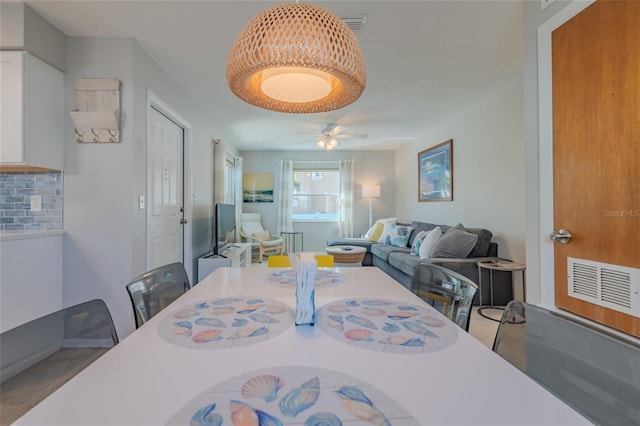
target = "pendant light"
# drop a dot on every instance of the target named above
(296, 58)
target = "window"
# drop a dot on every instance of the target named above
(315, 194)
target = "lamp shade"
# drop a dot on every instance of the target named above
(296, 58)
(370, 191)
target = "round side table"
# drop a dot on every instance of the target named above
(351, 255)
(498, 265)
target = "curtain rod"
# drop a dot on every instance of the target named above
(319, 161)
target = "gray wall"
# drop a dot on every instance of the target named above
(488, 176)
(371, 168)
(23, 29)
(104, 244)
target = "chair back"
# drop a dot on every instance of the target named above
(591, 369)
(452, 294)
(251, 223)
(154, 290)
(85, 325)
(325, 261)
(511, 341)
(278, 261)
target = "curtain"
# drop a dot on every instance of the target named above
(285, 210)
(219, 158)
(237, 193)
(345, 216)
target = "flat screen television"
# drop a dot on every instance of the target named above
(225, 228)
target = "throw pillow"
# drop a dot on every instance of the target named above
(264, 235)
(455, 243)
(369, 234)
(398, 235)
(417, 242)
(377, 231)
(429, 242)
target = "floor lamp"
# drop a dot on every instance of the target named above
(370, 192)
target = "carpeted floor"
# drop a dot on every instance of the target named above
(22, 392)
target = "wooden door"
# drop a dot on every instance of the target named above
(596, 147)
(165, 212)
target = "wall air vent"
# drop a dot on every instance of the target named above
(355, 23)
(612, 286)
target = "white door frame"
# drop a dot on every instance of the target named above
(154, 101)
(545, 146)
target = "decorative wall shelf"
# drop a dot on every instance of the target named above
(97, 118)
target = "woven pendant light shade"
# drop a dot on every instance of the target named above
(303, 36)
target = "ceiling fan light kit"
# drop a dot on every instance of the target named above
(296, 58)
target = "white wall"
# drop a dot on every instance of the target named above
(104, 230)
(488, 171)
(539, 288)
(371, 168)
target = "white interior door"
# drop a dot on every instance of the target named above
(165, 201)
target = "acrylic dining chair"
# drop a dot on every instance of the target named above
(154, 290)
(452, 294)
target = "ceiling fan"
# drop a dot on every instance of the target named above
(329, 135)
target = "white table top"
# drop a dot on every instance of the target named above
(147, 380)
(345, 249)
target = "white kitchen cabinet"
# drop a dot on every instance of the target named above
(32, 111)
(30, 276)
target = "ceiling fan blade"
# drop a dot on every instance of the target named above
(352, 136)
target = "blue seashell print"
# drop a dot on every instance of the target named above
(210, 322)
(402, 341)
(182, 328)
(391, 328)
(239, 322)
(335, 321)
(353, 393)
(203, 305)
(226, 301)
(206, 417)
(352, 303)
(299, 399)
(407, 308)
(418, 329)
(376, 302)
(357, 404)
(266, 419)
(249, 332)
(263, 318)
(323, 419)
(254, 301)
(361, 321)
(401, 315)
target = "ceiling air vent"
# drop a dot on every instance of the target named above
(612, 286)
(355, 23)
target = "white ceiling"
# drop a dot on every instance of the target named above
(425, 61)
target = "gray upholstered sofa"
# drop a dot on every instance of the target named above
(400, 264)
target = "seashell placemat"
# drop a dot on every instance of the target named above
(287, 278)
(386, 326)
(293, 395)
(226, 322)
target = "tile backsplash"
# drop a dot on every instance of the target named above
(16, 189)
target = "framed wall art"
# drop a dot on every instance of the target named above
(435, 173)
(257, 188)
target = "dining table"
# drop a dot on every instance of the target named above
(228, 352)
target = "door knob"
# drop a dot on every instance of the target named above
(183, 221)
(562, 236)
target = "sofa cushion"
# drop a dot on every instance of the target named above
(404, 262)
(398, 235)
(481, 248)
(430, 242)
(383, 250)
(456, 243)
(420, 226)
